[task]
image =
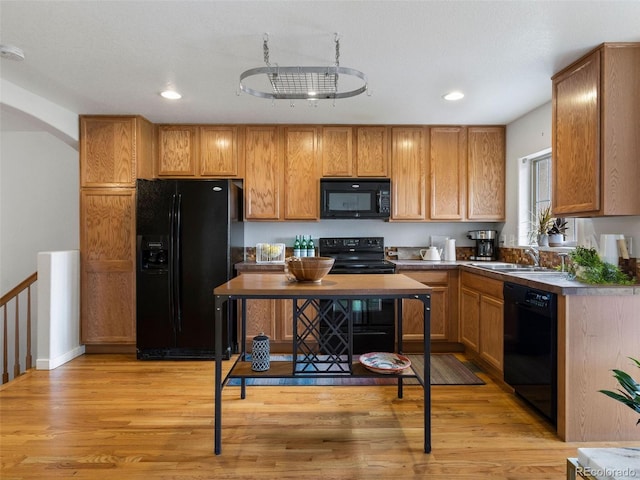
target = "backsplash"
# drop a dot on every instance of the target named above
(548, 258)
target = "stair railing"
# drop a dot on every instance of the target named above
(13, 296)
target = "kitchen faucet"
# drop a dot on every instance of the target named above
(534, 253)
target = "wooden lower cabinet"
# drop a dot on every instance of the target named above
(261, 319)
(481, 318)
(470, 318)
(444, 311)
(491, 330)
(274, 318)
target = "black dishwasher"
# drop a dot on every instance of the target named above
(530, 346)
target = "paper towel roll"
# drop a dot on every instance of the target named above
(609, 247)
(450, 250)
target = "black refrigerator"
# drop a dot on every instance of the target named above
(189, 235)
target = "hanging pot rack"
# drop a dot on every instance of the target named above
(303, 83)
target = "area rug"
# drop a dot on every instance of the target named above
(446, 369)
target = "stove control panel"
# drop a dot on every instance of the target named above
(345, 244)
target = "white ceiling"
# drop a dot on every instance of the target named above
(114, 57)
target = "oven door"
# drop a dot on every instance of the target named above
(373, 325)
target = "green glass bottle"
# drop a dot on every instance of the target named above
(296, 246)
(311, 249)
(303, 247)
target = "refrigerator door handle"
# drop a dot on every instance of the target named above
(178, 282)
(172, 262)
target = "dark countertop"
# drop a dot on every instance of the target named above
(555, 282)
(252, 266)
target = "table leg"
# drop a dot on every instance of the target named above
(243, 354)
(399, 340)
(426, 299)
(219, 301)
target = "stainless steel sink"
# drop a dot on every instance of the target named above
(548, 273)
(514, 267)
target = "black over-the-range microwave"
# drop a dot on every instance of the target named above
(355, 198)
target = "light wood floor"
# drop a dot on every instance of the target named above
(113, 417)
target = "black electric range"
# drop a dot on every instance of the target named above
(373, 319)
(356, 254)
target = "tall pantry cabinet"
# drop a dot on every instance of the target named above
(114, 151)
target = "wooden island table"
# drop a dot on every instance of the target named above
(330, 300)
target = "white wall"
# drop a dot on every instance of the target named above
(527, 135)
(59, 308)
(39, 202)
(395, 234)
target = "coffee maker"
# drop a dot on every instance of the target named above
(486, 247)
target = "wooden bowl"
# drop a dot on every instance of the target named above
(308, 269)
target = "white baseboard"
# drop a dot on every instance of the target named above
(50, 364)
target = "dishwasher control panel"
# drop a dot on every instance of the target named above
(537, 299)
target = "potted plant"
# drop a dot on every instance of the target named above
(541, 225)
(556, 232)
(586, 266)
(629, 393)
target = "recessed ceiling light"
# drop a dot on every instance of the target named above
(453, 96)
(171, 95)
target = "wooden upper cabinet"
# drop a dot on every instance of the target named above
(337, 151)
(576, 125)
(596, 114)
(447, 172)
(177, 150)
(263, 173)
(301, 174)
(219, 151)
(372, 158)
(408, 172)
(486, 173)
(114, 150)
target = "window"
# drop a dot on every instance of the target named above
(540, 183)
(540, 176)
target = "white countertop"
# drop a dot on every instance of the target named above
(610, 463)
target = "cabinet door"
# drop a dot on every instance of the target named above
(470, 318)
(107, 151)
(337, 152)
(107, 246)
(301, 174)
(372, 152)
(413, 317)
(486, 173)
(491, 330)
(219, 151)
(263, 173)
(177, 150)
(576, 138)
(408, 170)
(447, 172)
(261, 318)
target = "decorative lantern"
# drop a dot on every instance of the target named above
(260, 353)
